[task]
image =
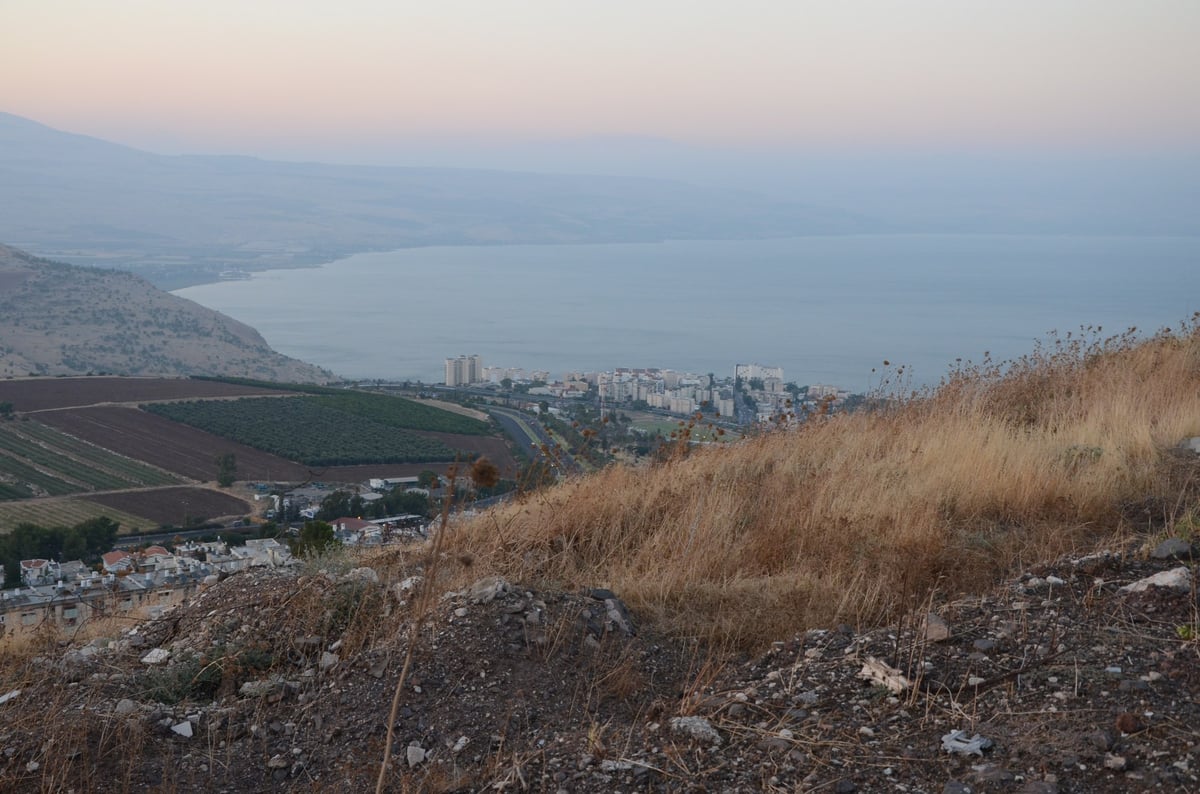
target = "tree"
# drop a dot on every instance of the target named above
(316, 537)
(506, 384)
(6, 410)
(226, 469)
(428, 479)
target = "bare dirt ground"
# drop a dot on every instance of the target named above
(42, 394)
(169, 445)
(176, 505)
(1059, 681)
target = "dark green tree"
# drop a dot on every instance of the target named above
(315, 538)
(226, 469)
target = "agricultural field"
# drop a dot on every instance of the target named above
(174, 506)
(43, 394)
(180, 449)
(431, 415)
(309, 430)
(403, 413)
(37, 460)
(65, 513)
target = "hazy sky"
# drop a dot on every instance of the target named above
(331, 79)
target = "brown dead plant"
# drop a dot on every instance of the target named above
(855, 517)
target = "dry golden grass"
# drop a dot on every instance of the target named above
(853, 517)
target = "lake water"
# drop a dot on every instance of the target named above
(826, 309)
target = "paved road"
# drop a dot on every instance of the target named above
(530, 436)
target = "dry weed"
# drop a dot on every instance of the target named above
(854, 517)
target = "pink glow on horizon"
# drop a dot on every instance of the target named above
(926, 73)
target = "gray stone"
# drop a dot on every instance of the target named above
(936, 628)
(184, 729)
(955, 787)
(415, 755)
(1173, 549)
(125, 706)
(367, 575)
(156, 656)
(328, 660)
(262, 688)
(1192, 443)
(985, 645)
(485, 590)
(278, 762)
(991, 773)
(1038, 787)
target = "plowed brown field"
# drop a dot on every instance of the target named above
(169, 445)
(40, 394)
(192, 453)
(175, 506)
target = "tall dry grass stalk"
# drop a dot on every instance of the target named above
(846, 517)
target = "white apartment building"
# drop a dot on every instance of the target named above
(748, 371)
(464, 370)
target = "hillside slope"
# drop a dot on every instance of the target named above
(184, 220)
(59, 319)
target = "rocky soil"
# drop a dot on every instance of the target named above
(1064, 680)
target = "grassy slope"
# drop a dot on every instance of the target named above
(852, 517)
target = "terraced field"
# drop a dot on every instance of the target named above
(37, 460)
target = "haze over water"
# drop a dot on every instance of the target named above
(826, 309)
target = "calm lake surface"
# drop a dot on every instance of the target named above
(826, 309)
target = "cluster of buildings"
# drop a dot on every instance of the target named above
(681, 393)
(131, 584)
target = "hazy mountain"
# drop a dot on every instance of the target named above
(183, 219)
(59, 319)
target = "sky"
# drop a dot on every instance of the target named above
(386, 82)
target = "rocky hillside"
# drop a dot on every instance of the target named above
(1081, 675)
(58, 319)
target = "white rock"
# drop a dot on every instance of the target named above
(880, 672)
(156, 656)
(696, 728)
(460, 745)
(126, 706)
(957, 742)
(415, 754)
(327, 660)
(461, 612)
(1175, 579)
(7, 696)
(184, 729)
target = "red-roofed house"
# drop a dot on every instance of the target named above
(156, 558)
(116, 561)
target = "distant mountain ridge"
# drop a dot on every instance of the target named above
(60, 319)
(181, 220)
